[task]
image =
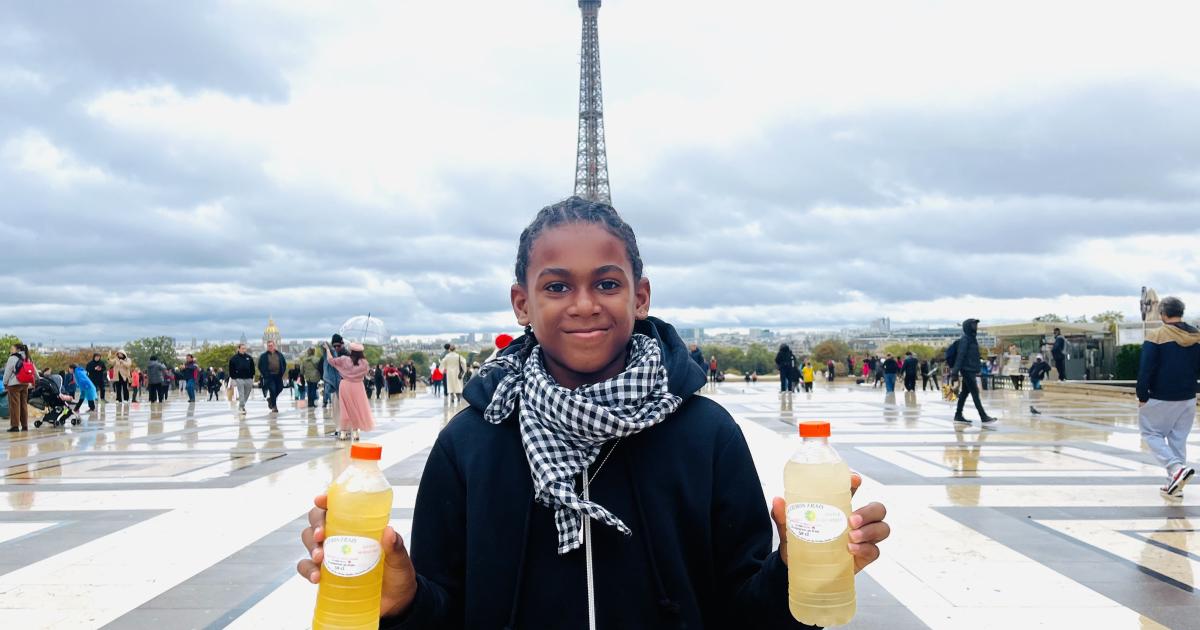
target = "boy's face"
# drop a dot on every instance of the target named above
(581, 299)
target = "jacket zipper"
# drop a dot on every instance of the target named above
(587, 550)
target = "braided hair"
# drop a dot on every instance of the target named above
(577, 210)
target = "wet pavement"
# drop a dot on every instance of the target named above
(186, 516)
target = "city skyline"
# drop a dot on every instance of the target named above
(192, 171)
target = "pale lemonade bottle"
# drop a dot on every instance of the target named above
(360, 503)
(820, 568)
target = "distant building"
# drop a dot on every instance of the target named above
(271, 333)
(691, 335)
(881, 325)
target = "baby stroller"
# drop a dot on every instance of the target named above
(47, 396)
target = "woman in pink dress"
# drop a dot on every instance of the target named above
(352, 396)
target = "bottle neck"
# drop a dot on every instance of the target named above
(816, 440)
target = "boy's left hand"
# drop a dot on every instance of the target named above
(867, 528)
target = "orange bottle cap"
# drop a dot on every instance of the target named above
(367, 450)
(816, 428)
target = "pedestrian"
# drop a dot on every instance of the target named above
(877, 371)
(1059, 353)
(355, 410)
(310, 368)
(785, 362)
(1166, 391)
(585, 437)
(925, 375)
(696, 355)
(190, 375)
(215, 380)
(329, 374)
(453, 368)
(1038, 371)
(1012, 367)
(241, 375)
(850, 367)
(437, 379)
(97, 373)
(712, 369)
(830, 370)
(272, 366)
(84, 388)
(156, 380)
(122, 370)
(17, 382)
(380, 379)
(966, 363)
(891, 368)
(806, 376)
(910, 367)
(135, 382)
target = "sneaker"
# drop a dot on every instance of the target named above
(1182, 476)
(1174, 496)
(988, 420)
(961, 419)
(13, 430)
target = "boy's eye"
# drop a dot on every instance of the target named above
(556, 287)
(608, 285)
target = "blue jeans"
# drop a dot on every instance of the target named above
(1037, 383)
(191, 390)
(889, 380)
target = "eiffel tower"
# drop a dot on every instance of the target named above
(591, 163)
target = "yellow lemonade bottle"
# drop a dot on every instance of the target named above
(820, 568)
(360, 504)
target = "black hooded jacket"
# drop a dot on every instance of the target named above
(967, 357)
(700, 555)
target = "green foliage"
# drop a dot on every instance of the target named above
(7, 342)
(1049, 317)
(482, 355)
(1129, 357)
(140, 350)
(1109, 317)
(420, 361)
(758, 359)
(729, 359)
(919, 350)
(216, 356)
(834, 350)
(60, 361)
(373, 354)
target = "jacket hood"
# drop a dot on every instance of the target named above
(684, 376)
(971, 326)
(1181, 333)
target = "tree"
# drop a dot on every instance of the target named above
(1112, 318)
(919, 350)
(481, 356)
(834, 350)
(215, 355)
(7, 342)
(63, 359)
(420, 362)
(140, 351)
(373, 354)
(758, 359)
(1129, 357)
(1050, 318)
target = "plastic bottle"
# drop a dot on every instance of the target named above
(820, 568)
(360, 504)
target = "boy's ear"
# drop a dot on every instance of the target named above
(641, 296)
(520, 303)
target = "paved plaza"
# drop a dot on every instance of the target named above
(188, 517)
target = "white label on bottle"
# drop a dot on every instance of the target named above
(815, 522)
(351, 556)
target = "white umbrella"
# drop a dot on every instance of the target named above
(366, 330)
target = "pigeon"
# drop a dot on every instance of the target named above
(1033, 410)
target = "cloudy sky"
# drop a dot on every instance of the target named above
(189, 168)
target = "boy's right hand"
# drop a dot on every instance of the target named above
(399, 575)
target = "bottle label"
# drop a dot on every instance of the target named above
(815, 522)
(351, 556)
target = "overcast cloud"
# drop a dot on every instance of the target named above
(190, 168)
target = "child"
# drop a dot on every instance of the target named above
(352, 396)
(587, 485)
(85, 390)
(807, 375)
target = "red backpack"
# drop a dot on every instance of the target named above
(26, 372)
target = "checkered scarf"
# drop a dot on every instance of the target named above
(563, 430)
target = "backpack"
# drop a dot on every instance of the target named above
(952, 353)
(26, 371)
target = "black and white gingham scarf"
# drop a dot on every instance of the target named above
(563, 429)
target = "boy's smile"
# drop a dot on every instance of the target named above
(582, 301)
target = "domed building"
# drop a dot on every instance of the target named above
(272, 334)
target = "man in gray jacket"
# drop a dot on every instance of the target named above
(156, 378)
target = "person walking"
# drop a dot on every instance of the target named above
(156, 380)
(1166, 391)
(355, 410)
(135, 382)
(241, 374)
(310, 368)
(97, 373)
(966, 363)
(17, 387)
(807, 376)
(190, 375)
(697, 355)
(785, 362)
(85, 390)
(122, 369)
(329, 374)
(1012, 367)
(454, 368)
(712, 369)
(437, 379)
(925, 375)
(272, 367)
(381, 381)
(910, 367)
(1059, 353)
(891, 368)
(849, 367)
